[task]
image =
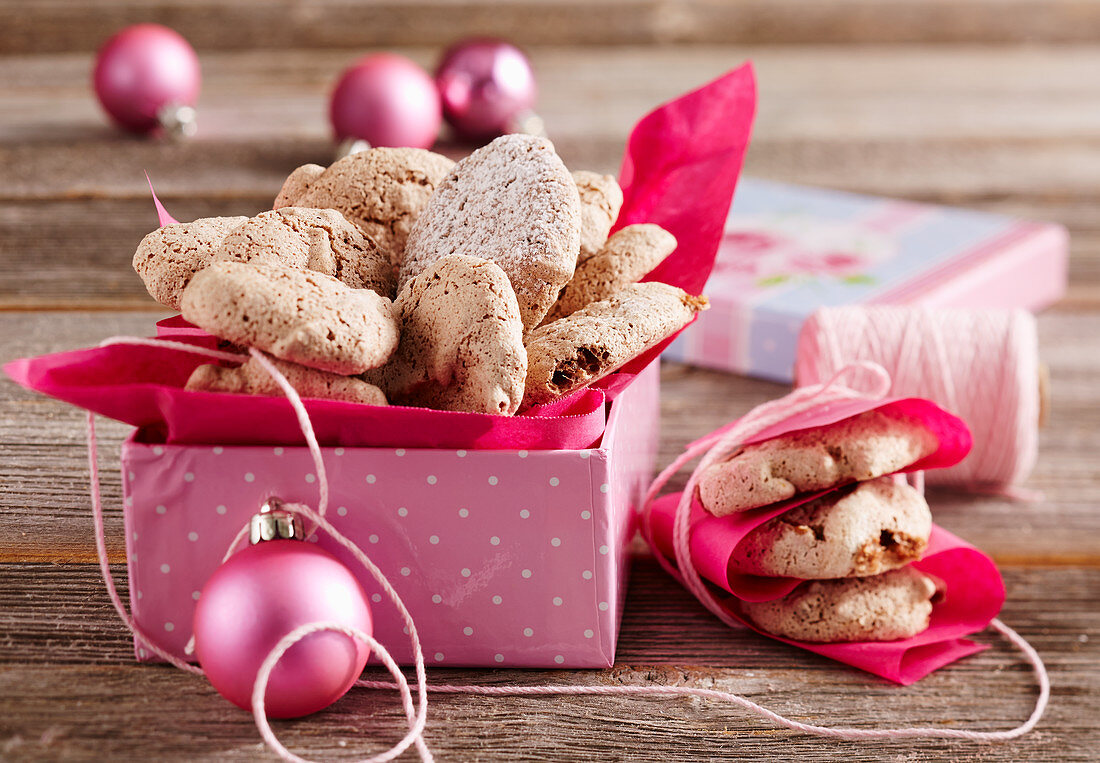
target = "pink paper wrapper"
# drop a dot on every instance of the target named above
(679, 171)
(974, 591)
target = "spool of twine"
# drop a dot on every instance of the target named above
(981, 365)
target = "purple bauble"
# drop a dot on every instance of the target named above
(260, 595)
(142, 70)
(485, 86)
(386, 100)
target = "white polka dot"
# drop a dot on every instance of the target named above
(135, 536)
(399, 452)
(493, 480)
(559, 659)
(406, 571)
(132, 476)
(463, 513)
(588, 633)
(371, 479)
(311, 478)
(278, 451)
(196, 595)
(557, 601)
(434, 540)
(169, 627)
(528, 632)
(522, 454)
(338, 451)
(158, 451)
(603, 606)
(604, 487)
(342, 511)
(497, 599)
(249, 477)
(188, 476)
(218, 450)
(526, 573)
(586, 514)
(162, 509)
(405, 630)
(376, 597)
(141, 595)
(524, 514)
(495, 541)
(554, 482)
(468, 631)
(460, 453)
(142, 653)
(605, 550)
(555, 542)
(587, 574)
(465, 572)
(165, 569)
(439, 656)
(192, 536)
(221, 509)
(402, 511)
(584, 454)
(498, 657)
(372, 538)
(432, 479)
(437, 599)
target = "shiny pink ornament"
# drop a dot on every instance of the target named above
(261, 594)
(142, 70)
(386, 100)
(485, 85)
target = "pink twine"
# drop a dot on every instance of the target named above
(982, 365)
(715, 447)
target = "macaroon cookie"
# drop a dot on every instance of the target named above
(253, 379)
(601, 200)
(169, 257)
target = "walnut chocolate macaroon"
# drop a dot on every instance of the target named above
(253, 379)
(461, 343)
(624, 259)
(886, 607)
(380, 190)
(512, 202)
(867, 529)
(310, 239)
(296, 315)
(167, 258)
(574, 351)
(601, 200)
(863, 447)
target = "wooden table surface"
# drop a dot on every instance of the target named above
(948, 108)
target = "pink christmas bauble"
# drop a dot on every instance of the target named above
(261, 594)
(485, 85)
(143, 69)
(386, 100)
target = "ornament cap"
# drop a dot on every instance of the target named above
(273, 523)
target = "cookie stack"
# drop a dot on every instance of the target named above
(852, 546)
(398, 276)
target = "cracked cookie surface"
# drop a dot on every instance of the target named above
(253, 379)
(169, 257)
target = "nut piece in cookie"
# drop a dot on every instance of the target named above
(868, 529)
(380, 190)
(575, 351)
(310, 239)
(860, 448)
(296, 315)
(252, 379)
(601, 200)
(624, 259)
(461, 340)
(894, 605)
(512, 202)
(167, 258)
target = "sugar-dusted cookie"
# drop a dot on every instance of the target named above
(601, 200)
(512, 202)
(574, 351)
(461, 340)
(886, 607)
(863, 530)
(311, 239)
(860, 448)
(253, 379)
(381, 190)
(296, 315)
(624, 259)
(167, 258)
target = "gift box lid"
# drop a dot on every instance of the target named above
(788, 250)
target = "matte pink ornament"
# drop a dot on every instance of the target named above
(143, 72)
(261, 594)
(487, 86)
(386, 100)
